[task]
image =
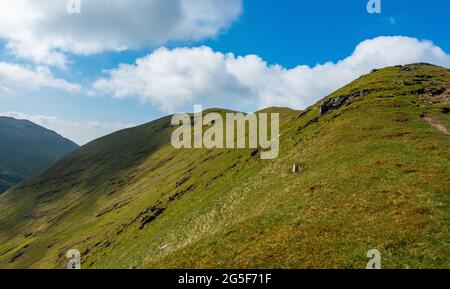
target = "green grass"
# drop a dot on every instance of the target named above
(374, 175)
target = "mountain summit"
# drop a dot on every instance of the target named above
(26, 149)
(372, 168)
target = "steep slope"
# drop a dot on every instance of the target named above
(26, 149)
(374, 174)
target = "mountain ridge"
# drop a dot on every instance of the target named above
(26, 149)
(373, 174)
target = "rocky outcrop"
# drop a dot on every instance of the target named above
(333, 104)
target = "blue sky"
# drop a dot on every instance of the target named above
(77, 98)
(293, 32)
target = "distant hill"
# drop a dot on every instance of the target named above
(26, 149)
(374, 167)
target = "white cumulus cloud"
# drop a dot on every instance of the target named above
(169, 79)
(80, 132)
(174, 79)
(15, 79)
(44, 32)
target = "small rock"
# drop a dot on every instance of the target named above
(364, 92)
(437, 91)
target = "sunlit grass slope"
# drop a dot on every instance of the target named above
(374, 174)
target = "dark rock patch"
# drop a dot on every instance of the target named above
(419, 91)
(107, 244)
(335, 103)
(179, 194)
(18, 254)
(406, 68)
(364, 92)
(303, 113)
(437, 91)
(423, 76)
(112, 208)
(182, 181)
(15, 257)
(212, 180)
(6, 251)
(154, 212)
(310, 122)
(254, 152)
(212, 157)
(232, 166)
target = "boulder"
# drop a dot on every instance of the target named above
(333, 104)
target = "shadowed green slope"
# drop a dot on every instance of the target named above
(26, 149)
(374, 174)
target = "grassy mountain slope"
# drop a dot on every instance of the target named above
(374, 175)
(26, 149)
